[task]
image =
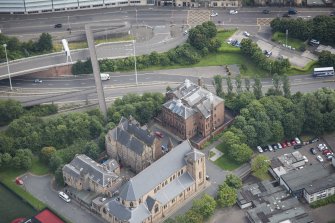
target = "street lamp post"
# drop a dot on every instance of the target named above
(136, 18)
(10, 80)
(135, 62)
(68, 24)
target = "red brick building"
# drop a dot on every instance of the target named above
(192, 111)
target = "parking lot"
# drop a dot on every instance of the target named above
(304, 150)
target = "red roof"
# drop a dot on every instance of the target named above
(46, 216)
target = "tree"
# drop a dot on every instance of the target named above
(59, 175)
(257, 88)
(247, 84)
(44, 44)
(240, 153)
(260, 165)
(239, 89)
(10, 110)
(46, 153)
(276, 84)
(92, 150)
(6, 159)
(233, 181)
(55, 162)
(286, 86)
(204, 206)
(218, 85)
(326, 59)
(226, 196)
(6, 143)
(229, 86)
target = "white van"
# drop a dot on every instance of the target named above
(104, 76)
(64, 196)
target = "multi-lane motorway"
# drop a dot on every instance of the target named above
(160, 19)
(155, 81)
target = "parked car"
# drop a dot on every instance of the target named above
(185, 32)
(233, 12)
(322, 147)
(330, 157)
(58, 25)
(270, 148)
(297, 146)
(315, 140)
(279, 146)
(319, 158)
(283, 145)
(324, 152)
(213, 14)
(38, 81)
(332, 13)
(259, 149)
(274, 146)
(18, 181)
(266, 11)
(313, 151)
(297, 140)
(246, 34)
(305, 158)
(64, 196)
(293, 142)
(159, 134)
(314, 42)
(288, 143)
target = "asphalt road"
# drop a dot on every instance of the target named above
(40, 187)
(155, 81)
(31, 26)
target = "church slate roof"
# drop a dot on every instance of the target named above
(180, 109)
(84, 165)
(157, 172)
(150, 203)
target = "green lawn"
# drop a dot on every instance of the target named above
(281, 39)
(8, 176)
(39, 168)
(224, 163)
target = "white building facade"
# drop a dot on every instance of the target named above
(44, 6)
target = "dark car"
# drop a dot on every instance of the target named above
(313, 151)
(58, 25)
(297, 146)
(332, 13)
(286, 15)
(292, 11)
(266, 11)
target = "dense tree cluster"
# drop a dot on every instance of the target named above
(260, 165)
(17, 49)
(201, 42)
(253, 51)
(56, 140)
(226, 196)
(326, 59)
(320, 27)
(10, 110)
(142, 108)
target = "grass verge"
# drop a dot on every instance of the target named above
(7, 177)
(308, 69)
(281, 39)
(224, 162)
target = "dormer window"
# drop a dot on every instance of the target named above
(131, 204)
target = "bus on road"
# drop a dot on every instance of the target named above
(323, 72)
